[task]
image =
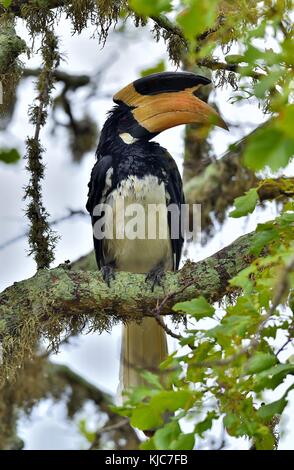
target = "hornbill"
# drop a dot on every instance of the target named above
(131, 169)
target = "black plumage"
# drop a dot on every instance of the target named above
(140, 159)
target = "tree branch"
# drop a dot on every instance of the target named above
(70, 293)
(71, 213)
(215, 64)
(164, 23)
(60, 300)
(72, 81)
(41, 379)
(16, 5)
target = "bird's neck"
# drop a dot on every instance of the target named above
(118, 148)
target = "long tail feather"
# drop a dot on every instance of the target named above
(144, 346)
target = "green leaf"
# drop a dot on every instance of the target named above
(9, 155)
(183, 442)
(286, 120)
(234, 58)
(268, 147)
(252, 54)
(260, 361)
(206, 424)
(199, 16)
(264, 439)
(139, 394)
(262, 239)
(243, 278)
(164, 436)
(266, 83)
(151, 378)
(272, 377)
(231, 326)
(150, 8)
(198, 308)
(145, 417)
(267, 412)
(231, 422)
(159, 67)
(148, 445)
(245, 204)
(89, 435)
(6, 3)
(172, 400)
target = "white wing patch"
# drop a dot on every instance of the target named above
(108, 182)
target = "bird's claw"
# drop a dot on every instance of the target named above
(108, 274)
(155, 276)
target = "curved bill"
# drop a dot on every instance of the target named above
(165, 100)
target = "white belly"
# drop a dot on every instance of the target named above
(150, 240)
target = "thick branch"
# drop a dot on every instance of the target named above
(67, 294)
(62, 300)
(16, 5)
(123, 435)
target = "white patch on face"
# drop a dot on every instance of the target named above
(128, 138)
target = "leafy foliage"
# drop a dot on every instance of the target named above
(232, 363)
(9, 155)
(147, 8)
(6, 3)
(230, 359)
(245, 204)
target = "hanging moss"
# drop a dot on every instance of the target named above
(41, 238)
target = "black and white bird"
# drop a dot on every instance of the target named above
(132, 170)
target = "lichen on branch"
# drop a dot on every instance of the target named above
(61, 300)
(11, 47)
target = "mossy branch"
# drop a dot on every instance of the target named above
(41, 238)
(41, 379)
(11, 47)
(62, 300)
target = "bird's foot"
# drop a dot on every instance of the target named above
(156, 276)
(108, 273)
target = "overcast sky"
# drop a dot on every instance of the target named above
(96, 357)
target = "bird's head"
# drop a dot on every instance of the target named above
(158, 102)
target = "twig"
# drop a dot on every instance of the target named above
(105, 429)
(164, 326)
(281, 291)
(72, 81)
(236, 68)
(283, 346)
(159, 307)
(164, 23)
(71, 213)
(250, 348)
